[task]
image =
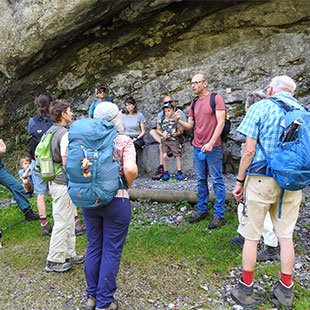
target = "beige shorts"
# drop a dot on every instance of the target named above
(262, 194)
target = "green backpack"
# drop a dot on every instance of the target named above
(44, 158)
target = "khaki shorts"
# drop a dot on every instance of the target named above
(174, 147)
(262, 194)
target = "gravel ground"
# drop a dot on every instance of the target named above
(142, 289)
(145, 182)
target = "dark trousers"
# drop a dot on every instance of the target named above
(106, 230)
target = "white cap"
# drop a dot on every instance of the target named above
(106, 110)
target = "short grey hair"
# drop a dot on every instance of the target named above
(254, 96)
(283, 83)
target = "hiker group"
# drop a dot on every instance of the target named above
(92, 164)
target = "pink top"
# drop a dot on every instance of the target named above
(126, 153)
(205, 120)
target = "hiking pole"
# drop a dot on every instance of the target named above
(291, 132)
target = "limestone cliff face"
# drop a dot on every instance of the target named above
(147, 49)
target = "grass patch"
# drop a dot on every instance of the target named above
(160, 264)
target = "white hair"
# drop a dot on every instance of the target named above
(110, 112)
(118, 123)
(283, 83)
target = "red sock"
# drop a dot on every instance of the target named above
(76, 218)
(247, 277)
(286, 279)
(43, 220)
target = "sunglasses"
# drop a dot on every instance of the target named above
(166, 102)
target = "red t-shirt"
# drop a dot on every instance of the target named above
(205, 120)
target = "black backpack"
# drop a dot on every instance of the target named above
(37, 129)
(227, 125)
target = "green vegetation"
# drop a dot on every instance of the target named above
(160, 263)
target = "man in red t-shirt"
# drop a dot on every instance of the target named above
(207, 127)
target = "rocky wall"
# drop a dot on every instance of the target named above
(148, 49)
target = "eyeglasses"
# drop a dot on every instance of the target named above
(265, 90)
(197, 82)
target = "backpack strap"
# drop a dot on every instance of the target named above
(280, 204)
(194, 104)
(212, 101)
(269, 173)
(285, 107)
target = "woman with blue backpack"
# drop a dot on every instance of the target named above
(107, 225)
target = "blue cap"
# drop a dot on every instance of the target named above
(168, 105)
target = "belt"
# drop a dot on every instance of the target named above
(261, 171)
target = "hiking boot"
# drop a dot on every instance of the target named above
(77, 259)
(46, 229)
(197, 217)
(79, 228)
(268, 253)
(158, 174)
(57, 267)
(283, 294)
(216, 222)
(29, 194)
(237, 241)
(30, 215)
(166, 176)
(180, 176)
(113, 306)
(90, 303)
(243, 294)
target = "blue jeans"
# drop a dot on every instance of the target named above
(40, 186)
(106, 231)
(213, 164)
(8, 181)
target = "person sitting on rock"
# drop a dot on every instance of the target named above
(168, 130)
(101, 97)
(134, 123)
(8, 181)
(25, 175)
(157, 138)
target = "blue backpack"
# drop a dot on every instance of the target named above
(91, 143)
(290, 164)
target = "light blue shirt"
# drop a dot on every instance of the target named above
(92, 107)
(264, 122)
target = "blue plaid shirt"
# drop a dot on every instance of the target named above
(264, 122)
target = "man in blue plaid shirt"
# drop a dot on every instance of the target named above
(261, 193)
